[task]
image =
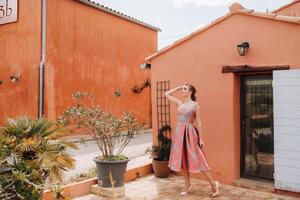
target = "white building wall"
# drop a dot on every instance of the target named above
(286, 91)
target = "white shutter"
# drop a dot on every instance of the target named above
(286, 94)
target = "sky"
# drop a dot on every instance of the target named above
(178, 18)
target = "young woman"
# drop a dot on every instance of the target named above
(187, 144)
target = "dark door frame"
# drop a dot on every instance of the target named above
(242, 123)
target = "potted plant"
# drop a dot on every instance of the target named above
(30, 152)
(161, 153)
(107, 130)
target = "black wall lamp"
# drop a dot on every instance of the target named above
(243, 48)
(15, 78)
(145, 66)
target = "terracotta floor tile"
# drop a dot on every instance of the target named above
(152, 188)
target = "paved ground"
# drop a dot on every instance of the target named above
(88, 151)
(152, 188)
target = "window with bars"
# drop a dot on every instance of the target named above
(163, 104)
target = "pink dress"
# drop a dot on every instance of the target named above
(185, 151)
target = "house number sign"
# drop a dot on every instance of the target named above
(8, 11)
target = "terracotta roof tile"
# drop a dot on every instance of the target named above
(235, 7)
(117, 13)
(287, 18)
(285, 6)
(292, 19)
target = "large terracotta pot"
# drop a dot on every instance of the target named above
(117, 170)
(161, 169)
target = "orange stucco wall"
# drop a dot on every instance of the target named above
(292, 10)
(20, 54)
(199, 60)
(93, 51)
(88, 50)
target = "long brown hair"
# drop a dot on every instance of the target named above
(193, 90)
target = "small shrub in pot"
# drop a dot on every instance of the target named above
(161, 153)
(108, 131)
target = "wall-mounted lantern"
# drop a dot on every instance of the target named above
(15, 78)
(243, 48)
(145, 66)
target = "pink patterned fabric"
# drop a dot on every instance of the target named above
(185, 151)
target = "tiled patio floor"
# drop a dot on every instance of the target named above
(154, 188)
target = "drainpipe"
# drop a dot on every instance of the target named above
(43, 60)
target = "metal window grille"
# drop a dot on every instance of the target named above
(163, 104)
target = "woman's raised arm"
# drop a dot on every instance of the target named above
(172, 91)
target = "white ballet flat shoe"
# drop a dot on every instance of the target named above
(186, 192)
(215, 194)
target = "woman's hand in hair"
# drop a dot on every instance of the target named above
(169, 93)
(187, 83)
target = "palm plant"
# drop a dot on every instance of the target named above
(30, 152)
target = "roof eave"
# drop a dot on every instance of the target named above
(119, 14)
(178, 42)
(247, 12)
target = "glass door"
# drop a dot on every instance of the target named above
(257, 139)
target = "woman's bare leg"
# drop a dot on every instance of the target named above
(186, 176)
(211, 181)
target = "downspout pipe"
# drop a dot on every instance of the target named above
(43, 61)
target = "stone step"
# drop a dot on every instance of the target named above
(259, 185)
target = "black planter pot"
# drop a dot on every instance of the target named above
(117, 170)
